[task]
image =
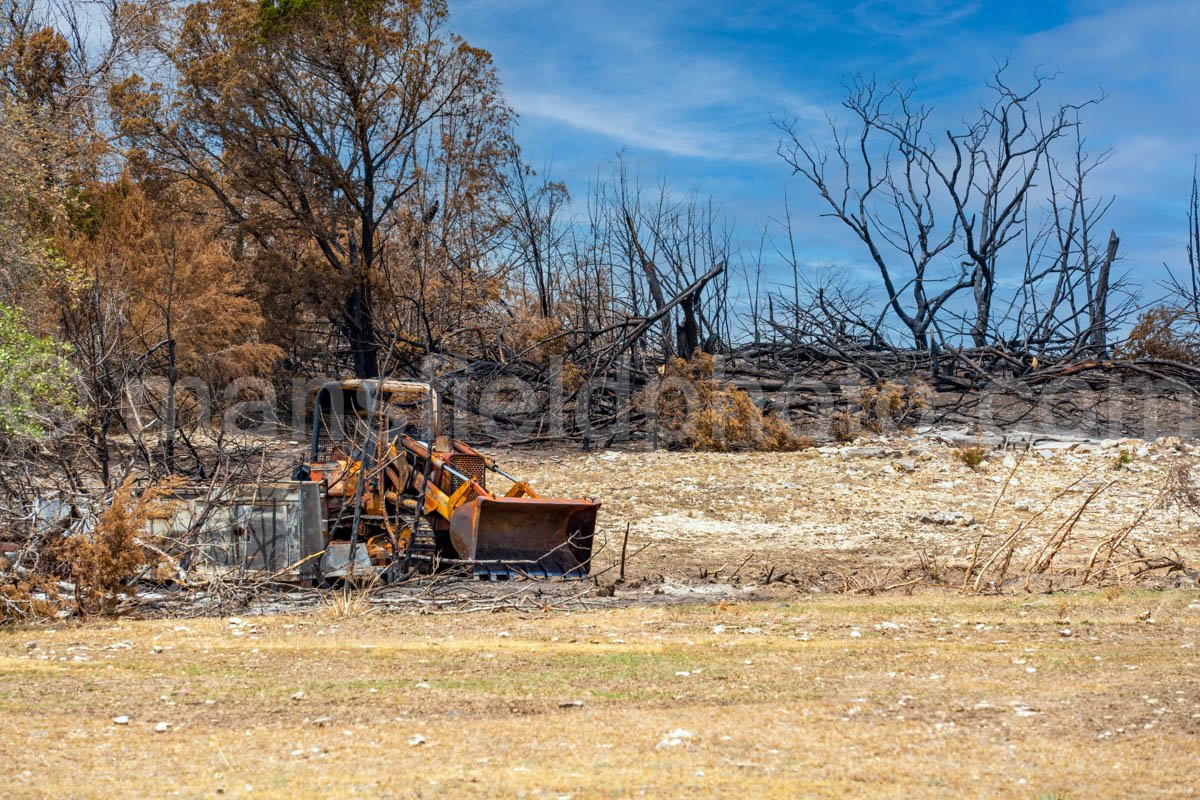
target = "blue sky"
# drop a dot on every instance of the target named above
(688, 90)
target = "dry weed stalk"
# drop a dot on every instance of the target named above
(992, 513)
(1178, 489)
(1054, 543)
(1009, 545)
(348, 601)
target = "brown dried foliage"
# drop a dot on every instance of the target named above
(1163, 333)
(103, 562)
(972, 456)
(845, 427)
(698, 412)
(892, 406)
(26, 597)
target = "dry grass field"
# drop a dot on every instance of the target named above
(1064, 696)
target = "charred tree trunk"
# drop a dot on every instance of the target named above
(1099, 310)
(359, 325)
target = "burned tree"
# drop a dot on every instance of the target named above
(889, 181)
(308, 121)
(1069, 300)
(882, 187)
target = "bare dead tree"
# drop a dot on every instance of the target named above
(1069, 300)
(536, 234)
(879, 183)
(994, 164)
(892, 177)
(1188, 288)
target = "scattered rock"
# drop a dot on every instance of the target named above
(847, 453)
(675, 738)
(955, 518)
(162, 727)
(416, 740)
(906, 465)
(299, 695)
(121, 720)
(571, 704)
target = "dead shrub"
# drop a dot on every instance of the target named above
(26, 598)
(1180, 490)
(535, 338)
(1164, 333)
(698, 412)
(845, 427)
(893, 406)
(102, 562)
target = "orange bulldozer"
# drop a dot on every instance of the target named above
(401, 497)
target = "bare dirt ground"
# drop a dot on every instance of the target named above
(882, 511)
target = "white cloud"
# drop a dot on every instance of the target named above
(637, 125)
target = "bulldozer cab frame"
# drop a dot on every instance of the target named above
(354, 412)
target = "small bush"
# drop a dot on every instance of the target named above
(1163, 333)
(35, 379)
(971, 455)
(845, 427)
(29, 597)
(101, 563)
(349, 601)
(1123, 460)
(892, 406)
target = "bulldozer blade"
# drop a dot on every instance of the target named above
(540, 537)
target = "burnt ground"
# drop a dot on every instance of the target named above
(877, 512)
(880, 515)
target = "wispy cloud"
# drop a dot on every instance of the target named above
(647, 81)
(910, 19)
(639, 125)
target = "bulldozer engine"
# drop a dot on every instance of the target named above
(401, 497)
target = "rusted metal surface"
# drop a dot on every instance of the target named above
(373, 497)
(403, 493)
(539, 536)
